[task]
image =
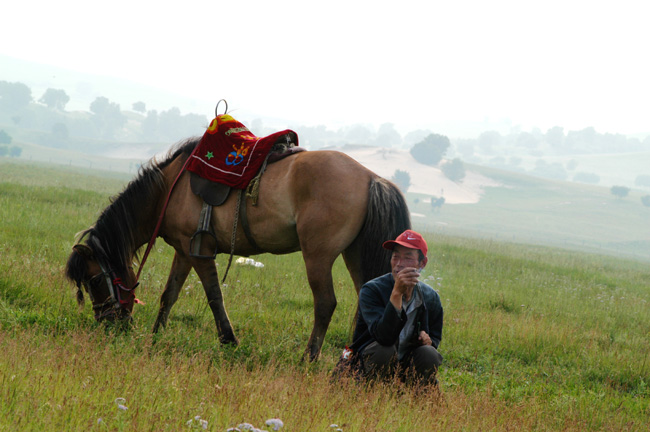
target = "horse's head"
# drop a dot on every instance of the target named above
(108, 288)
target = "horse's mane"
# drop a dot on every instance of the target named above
(113, 236)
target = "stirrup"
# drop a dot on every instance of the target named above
(204, 229)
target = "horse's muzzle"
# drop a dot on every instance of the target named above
(115, 316)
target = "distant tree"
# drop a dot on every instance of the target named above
(583, 141)
(169, 123)
(387, 136)
(553, 170)
(402, 179)
(584, 177)
(431, 149)
(139, 107)
(107, 116)
(465, 147)
(527, 140)
(15, 151)
(620, 191)
(14, 96)
(5, 138)
(100, 105)
(436, 202)
(645, 200)
(454, 170)
(488, 140)
(55, 99)
(358, 134)
(150, 125)
(414, 137)
(4, 151)
(642, 180)
(555, 136)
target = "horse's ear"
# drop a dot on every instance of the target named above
(83, 250)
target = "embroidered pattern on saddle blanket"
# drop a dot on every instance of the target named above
(229, 153)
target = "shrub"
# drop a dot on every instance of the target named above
(454, 170)
(642, 180)
(5, 138)
(620, 191)
(431, 149)
(402, 179)
(645, 200)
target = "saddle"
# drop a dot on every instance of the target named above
(230, 157)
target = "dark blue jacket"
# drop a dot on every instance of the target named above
(378, 320)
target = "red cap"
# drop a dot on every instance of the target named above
(409, 239)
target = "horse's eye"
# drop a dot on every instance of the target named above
(93, 282)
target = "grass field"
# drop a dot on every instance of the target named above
(535, 338)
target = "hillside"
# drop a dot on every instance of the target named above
(425, 180)
(488, 203)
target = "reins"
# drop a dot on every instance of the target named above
(164, 209)
(162, 215)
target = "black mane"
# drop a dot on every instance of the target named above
(112, 237)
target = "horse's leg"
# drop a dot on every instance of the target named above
(319, 274)
(177, 275)
(352, 259)
(207, 271)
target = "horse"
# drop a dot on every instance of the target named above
(322, 203)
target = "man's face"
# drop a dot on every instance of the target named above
(404, 257)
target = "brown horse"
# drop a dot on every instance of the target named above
(322, 203)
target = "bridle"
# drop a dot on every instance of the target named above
(120, 294)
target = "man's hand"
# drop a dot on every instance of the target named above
(424, 338)
(405, 280)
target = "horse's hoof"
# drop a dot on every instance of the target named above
(309, 355)
(229, 340)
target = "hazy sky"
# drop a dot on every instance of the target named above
(412, 63)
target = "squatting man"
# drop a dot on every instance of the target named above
(399, 324)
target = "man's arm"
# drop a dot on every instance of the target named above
(384, 321)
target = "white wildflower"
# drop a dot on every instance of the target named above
(275, 423)
(120, 404)
(245, 426)
(197, 422)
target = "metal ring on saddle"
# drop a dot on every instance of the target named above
(216, 109)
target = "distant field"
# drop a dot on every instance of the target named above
(535, 338)
(528, 210)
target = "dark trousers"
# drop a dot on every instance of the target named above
(381, 361)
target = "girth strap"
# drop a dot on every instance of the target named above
(245, 225)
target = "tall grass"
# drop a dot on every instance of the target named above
(535, 338)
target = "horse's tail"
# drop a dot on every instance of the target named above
(387, 217)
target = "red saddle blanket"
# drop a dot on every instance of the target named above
(230, 154)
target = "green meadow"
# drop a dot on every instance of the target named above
(537, 337)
